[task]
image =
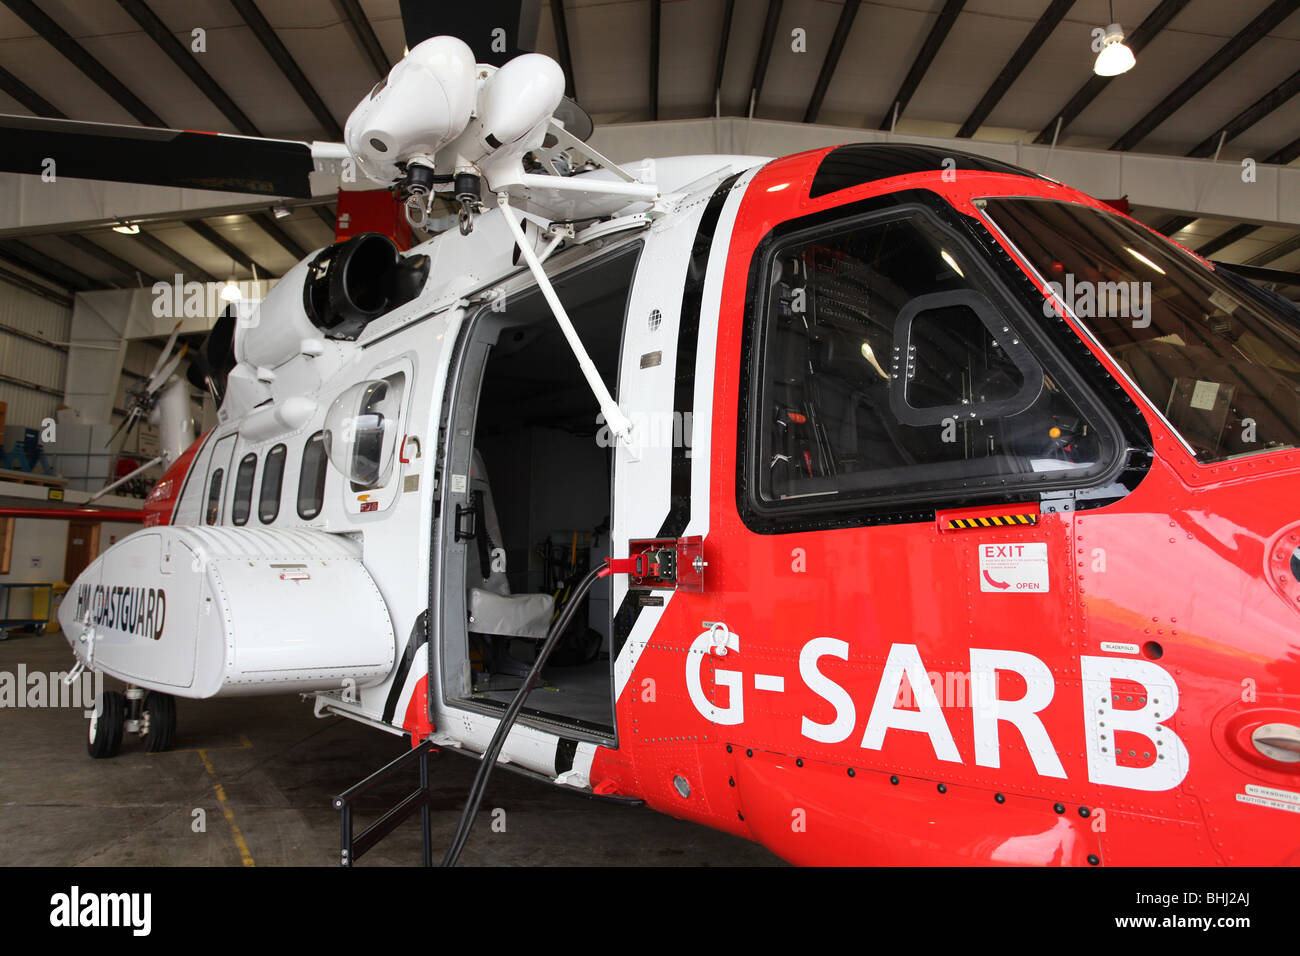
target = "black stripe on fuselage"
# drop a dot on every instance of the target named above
(688, 339)
(418, 639)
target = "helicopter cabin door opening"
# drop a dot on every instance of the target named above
(527, 501)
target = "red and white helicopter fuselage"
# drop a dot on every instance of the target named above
(1003, 669)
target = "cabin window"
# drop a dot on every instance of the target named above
(214, 497)
(243, 503)
(268, 500)
(888, 368)
(311, 477)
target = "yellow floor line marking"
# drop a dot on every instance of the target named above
(244, 744)
(244, 855)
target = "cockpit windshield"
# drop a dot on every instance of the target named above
(1217, 355)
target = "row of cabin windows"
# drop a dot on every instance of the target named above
(311, 485)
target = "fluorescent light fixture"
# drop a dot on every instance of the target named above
(1143, 259)
(952, 263)
(1115, 56)
(127, 228)
(230, 291)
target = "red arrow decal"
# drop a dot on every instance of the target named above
(1001, 586)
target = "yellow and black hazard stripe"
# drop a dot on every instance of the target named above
(992, 521)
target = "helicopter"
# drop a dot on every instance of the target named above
(880, 503)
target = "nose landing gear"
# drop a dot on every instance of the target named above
(150, 715)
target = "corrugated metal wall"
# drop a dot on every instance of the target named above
(30, 361)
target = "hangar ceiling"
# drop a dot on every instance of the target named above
(1210, 77)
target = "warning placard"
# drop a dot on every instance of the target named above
(1014, 568)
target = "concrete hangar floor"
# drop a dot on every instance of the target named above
(276, 766)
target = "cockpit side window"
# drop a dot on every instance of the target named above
(1218, 359)
(889, 369)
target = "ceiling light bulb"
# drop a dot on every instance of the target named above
(230, 291)
(1115, 56)
(127, 228)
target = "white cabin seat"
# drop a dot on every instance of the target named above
(493, 610)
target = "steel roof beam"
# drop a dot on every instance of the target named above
(1226, 55)
(929, 49)
(189, 65)
(765, 44)
(1277, 252)
(656, 20)
(46, 268)
(1030, 46)
(272, 229)
(279, 53)
(27, 96)
(202, 229)
(721, 66)
(1144, 34)
(74, 52)
(841, 35)
(132, 274)
(159, 248)
(562, 50)
(366, 36)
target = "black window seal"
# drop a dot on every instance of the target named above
(322, 469)
(1100, 399)
(234, 498)
(279, 494)
(216, 481)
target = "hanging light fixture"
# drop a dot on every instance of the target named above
(1115, 56)
(127, 228)
(230, 291)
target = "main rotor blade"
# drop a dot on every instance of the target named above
(155, 157)
(166, 350)
(125, 426)
(159, 378)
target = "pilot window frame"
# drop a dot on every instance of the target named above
(242, 495)
(898, 502)
(275, 463)
(320, 480)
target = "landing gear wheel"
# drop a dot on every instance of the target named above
(105, 738)
(40, 629)
(160, 710)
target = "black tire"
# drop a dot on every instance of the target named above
(40, 629)
(104, 738)
(161, 709)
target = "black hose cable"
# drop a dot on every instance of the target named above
(489, 760)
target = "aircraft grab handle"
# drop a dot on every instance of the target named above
(718, 645)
